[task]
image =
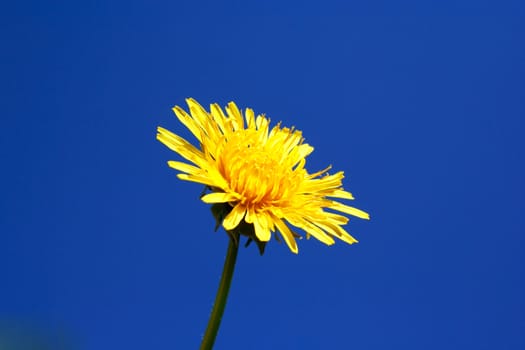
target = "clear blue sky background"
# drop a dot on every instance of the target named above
(422, 104)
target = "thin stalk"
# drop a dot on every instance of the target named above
(221, 297)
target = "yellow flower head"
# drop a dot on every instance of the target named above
(260, 172)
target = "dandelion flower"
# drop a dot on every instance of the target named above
(259, 173)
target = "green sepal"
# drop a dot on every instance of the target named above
(220, 211)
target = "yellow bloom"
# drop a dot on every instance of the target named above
(261, 173)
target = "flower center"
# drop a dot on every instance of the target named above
(257, 169)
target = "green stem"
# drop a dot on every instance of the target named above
(221, 297)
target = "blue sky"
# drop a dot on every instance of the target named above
(421, 104)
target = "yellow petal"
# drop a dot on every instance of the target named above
(181, 146)
(219, 117)
(341, 194)
(188, 121)
(236, 116)
(187, 168)
(262, 125)
(319, 173)
(234, 217)
(345, 236)
(250, 215)
(329, 182)
(219, 197)
(287, 235)
(349, 210)
(337, 231)
(250, 118)
(320, 235)
(205, 180)
(336, 219)
(310, 229)
(198, 113)
(262, 230)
